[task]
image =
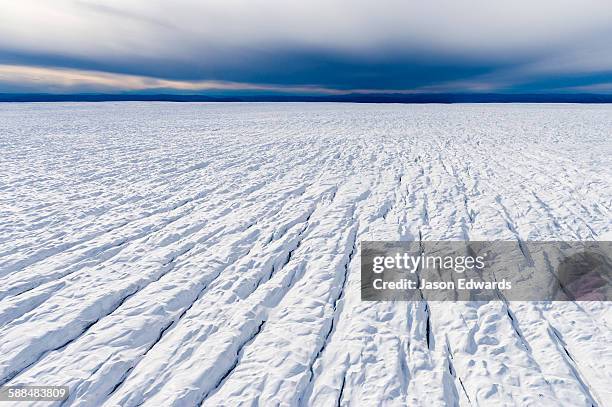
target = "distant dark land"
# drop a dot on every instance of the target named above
(347, 98)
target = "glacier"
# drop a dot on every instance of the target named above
(183, 254)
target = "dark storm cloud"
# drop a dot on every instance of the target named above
(340, 45)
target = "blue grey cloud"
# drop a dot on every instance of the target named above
(338, 44)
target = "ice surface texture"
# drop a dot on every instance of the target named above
(184, 254)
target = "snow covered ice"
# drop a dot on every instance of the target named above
(166, 254)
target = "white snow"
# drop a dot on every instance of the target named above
(184, 254)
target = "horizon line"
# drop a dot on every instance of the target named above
(383, 97)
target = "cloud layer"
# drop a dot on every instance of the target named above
(311, 46)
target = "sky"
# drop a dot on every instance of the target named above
(323, 47)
